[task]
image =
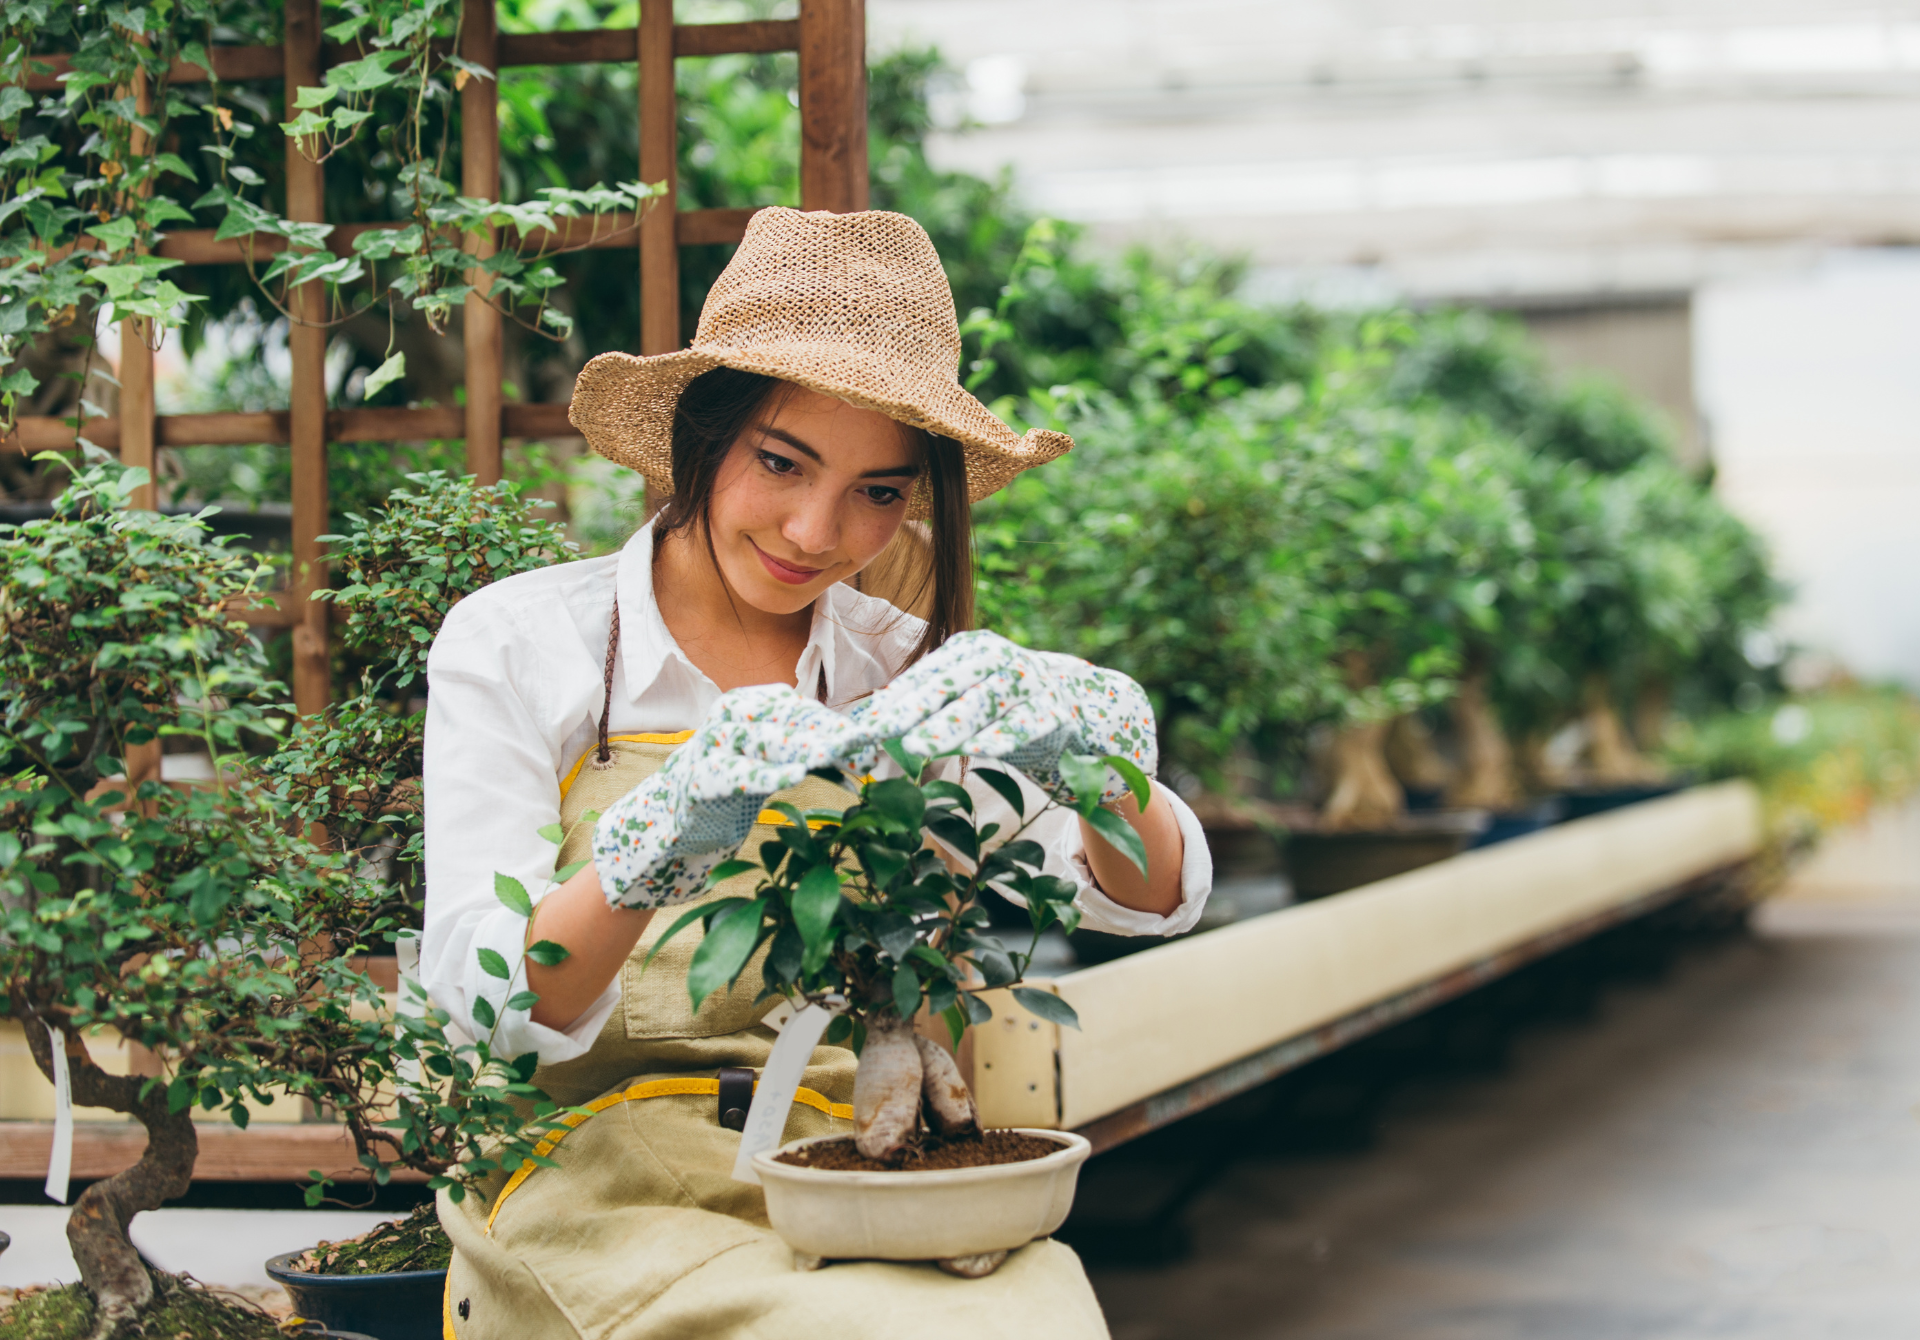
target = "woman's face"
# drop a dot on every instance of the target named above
(808, 497)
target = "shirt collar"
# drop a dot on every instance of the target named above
(646, 644)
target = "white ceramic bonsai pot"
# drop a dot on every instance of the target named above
(967, 1219)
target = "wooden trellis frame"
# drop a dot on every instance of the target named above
(830, 37)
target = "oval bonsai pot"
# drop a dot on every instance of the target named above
(1583, 802)
(1321, 863)
(920, 1216)
(396, 1305)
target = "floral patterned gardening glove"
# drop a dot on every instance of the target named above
(990, 698)
(655, 846)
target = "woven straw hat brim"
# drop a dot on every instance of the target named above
(624, 405)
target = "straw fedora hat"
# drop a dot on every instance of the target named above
(853, 306)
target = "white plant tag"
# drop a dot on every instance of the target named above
(773, 1095)
(60, 1161)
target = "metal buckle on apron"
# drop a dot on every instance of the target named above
(736, 1096)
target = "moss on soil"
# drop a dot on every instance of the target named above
(182, 1310)
(932, 1154)
(414, 1243)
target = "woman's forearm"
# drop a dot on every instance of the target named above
(1156, 892)
(598, 939)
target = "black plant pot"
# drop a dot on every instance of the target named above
(1598, 800)
(1510, 824)
(1323, 863)
(400, 1305)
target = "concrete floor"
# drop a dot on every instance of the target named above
(1731, 1152)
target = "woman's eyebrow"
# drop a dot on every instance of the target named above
(889, 472)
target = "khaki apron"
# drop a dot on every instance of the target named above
(641, 1233)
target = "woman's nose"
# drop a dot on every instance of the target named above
(814, 526)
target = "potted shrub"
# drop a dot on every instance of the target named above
(352, 777)
(858, 909)
(115, 638)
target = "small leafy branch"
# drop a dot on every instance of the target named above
(856, 905)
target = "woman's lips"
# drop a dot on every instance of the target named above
(789, 573)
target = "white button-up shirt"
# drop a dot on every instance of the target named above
(516, 679)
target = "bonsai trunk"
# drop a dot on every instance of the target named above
(1650, 710)
(110, 1267)
(1361, 791)
(1411, 755)
(900, 1071)
(1613, 759)
(1486, 778)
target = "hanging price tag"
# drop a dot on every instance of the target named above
(60, 1162)
(773, 1095)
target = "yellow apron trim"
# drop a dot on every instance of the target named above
(678, 737)
(652, 1088)
(446, 1309)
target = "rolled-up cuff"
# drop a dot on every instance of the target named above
(1098, 912)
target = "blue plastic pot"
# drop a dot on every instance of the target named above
(399, 1305)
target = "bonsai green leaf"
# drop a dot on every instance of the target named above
(726, 870)
(886, 864)
(569, 870)
(1047, 1005)
(978, 1011)
(1121, 835)
(548, 954)
(947, 791)
(728, 945)
(553, 833)
(906, 991)
(493, 963)
(898, 801)
(523, 1000)
(1007, 785)
(483, 1012)
(513, 893)
(814, 902)
(1086, 777)
(911, 764)
(956, 1022)
(838, 1030)
(687, 919)
(1130, 773)
(942, 995)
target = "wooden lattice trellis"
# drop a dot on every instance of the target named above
(830, 37)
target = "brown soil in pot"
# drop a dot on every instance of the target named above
(414, 1243)
(933, 1154)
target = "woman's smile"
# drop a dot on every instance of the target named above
(793, 574)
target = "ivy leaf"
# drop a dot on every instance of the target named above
(513, 893)
(1047, 1005)
(390, 371)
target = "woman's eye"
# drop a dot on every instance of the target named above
(881, 495)
(780, 465)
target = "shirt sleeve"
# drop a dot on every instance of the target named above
(490, 785)
(1058, 833)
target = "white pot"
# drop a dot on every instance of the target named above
(920, 1216)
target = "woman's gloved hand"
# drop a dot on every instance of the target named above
(655, 846)
(987, 697)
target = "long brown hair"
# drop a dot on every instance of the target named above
(719, 405)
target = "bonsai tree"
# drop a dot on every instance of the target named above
(115, 637)
(856, 904)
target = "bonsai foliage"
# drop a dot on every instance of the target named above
(116, 642)
(856, 906)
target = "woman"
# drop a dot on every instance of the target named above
(816, 411)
